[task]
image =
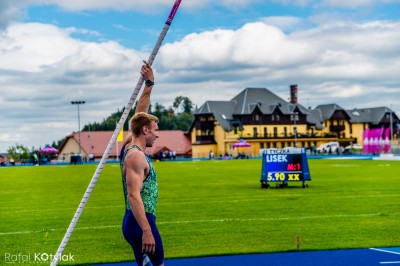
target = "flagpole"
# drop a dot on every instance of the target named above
(116, 146)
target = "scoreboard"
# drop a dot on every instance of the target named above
(284, 165)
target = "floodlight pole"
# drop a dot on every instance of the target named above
(79, 123)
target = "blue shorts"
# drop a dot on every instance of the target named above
(133, 235)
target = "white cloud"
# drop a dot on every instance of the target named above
(294, 2)
(255, 44)
(43, 67)
(348, 3)
(286, 23)
(349, 59)
(28, 47)
(9, 11)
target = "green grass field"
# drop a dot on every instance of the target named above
(205, 208)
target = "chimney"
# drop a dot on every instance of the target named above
(293, 94)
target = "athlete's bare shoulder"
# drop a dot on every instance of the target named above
(136, 160)
(134, 155)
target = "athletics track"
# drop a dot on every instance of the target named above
(345, 257)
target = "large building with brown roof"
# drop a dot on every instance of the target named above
(265, 120)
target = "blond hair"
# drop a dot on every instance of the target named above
(139, 120)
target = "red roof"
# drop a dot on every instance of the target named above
(174, 140)
(96, 142)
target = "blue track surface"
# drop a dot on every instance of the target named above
(346, 257)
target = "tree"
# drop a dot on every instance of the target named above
(184, 104)
(187, 106)
(18, 152)
(184, 121)
(177, 103)
(159, 110)
(177, 117)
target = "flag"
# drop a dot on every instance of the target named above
(121, 135)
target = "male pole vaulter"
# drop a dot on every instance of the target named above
(139, 180)
(146, 70)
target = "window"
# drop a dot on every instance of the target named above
(255, 133)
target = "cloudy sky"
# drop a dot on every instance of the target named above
(53, 52)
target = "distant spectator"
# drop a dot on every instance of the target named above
(226, 156)
(35, 159)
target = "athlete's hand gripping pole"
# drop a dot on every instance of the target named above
(113, 139)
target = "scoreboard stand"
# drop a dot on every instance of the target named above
(264, 184)
(284, 166)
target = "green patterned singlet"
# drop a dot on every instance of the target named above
(149, 191)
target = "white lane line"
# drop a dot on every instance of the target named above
(384, 250)
(387, 251)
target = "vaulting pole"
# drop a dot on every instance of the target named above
(113, 139)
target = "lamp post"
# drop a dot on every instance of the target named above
(79, 123)
(295, 129)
